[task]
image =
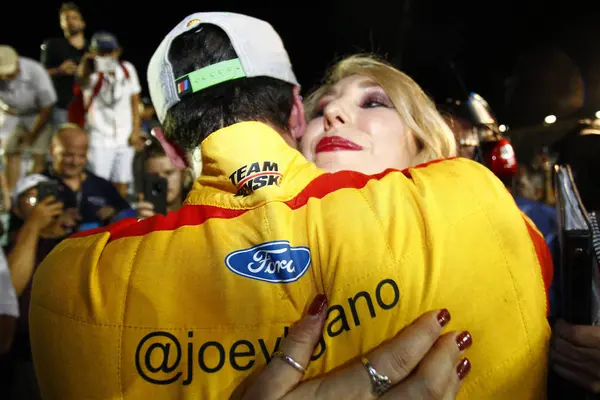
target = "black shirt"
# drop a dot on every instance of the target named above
(54, 53)
(94, 194)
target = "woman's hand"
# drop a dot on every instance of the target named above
(420, 362)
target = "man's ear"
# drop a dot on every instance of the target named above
(175, 153)
(297, 121)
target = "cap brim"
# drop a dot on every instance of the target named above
(106, 47)
(8, 69)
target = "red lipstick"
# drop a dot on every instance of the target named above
(336, 143)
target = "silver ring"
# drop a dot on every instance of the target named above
(290, 361)
(380, 383)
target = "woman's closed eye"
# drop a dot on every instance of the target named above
(372, 104)
(374, 101)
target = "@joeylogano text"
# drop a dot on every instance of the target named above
(159, 357)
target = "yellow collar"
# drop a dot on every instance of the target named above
(249, 160)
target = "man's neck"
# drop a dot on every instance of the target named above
(74, 182)
(77, 40)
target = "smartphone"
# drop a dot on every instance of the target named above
(576, 251)
(155, 192)
(46, 189)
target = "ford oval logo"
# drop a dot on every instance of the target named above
(275, 262)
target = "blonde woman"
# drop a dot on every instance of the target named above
(369, 117)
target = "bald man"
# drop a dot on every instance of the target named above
(93, 199)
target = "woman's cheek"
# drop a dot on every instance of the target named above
(306, 144)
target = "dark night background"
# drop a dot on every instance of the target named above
(484, 40)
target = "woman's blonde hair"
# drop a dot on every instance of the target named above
(416, 109)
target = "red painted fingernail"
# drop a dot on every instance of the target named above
(464, 340)
(317, 305)
(463, 368)
(443, 317)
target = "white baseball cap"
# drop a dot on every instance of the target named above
(259, 49)
(25, 183)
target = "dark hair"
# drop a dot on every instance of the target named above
(70, 6)
(247, 99)
(153, 149)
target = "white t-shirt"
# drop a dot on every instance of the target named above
(8, 298)
(110, 117)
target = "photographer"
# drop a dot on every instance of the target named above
(156, 164)
(111, 89)
(93, 200)
(37, 225)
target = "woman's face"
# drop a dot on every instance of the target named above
(163, 167)
(357, 128)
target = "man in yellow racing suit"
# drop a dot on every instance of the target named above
(189, 304)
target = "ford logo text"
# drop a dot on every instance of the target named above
(275, 262)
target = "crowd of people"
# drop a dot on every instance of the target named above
(129, 274)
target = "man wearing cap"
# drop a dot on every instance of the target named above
(111, 90)
(26, 99)
(35, 228)
(189, 304)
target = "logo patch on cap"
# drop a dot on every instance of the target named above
(183, 86)
(193, 22)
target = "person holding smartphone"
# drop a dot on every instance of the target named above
(38, 222)
(157, 166)
(111, 91)
(94, 200)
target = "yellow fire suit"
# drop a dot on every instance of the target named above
(187, 305)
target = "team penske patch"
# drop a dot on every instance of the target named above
(252, 177)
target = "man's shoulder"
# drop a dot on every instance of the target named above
(53, 42)
(441, 174)
(47, 172)
(129, 69)
(186, 216)
(33, 68)
(84, 261)
(96, 180)
(454, 166)
(31, 63)
(128, 65)
(108, 232)
(445, 176)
